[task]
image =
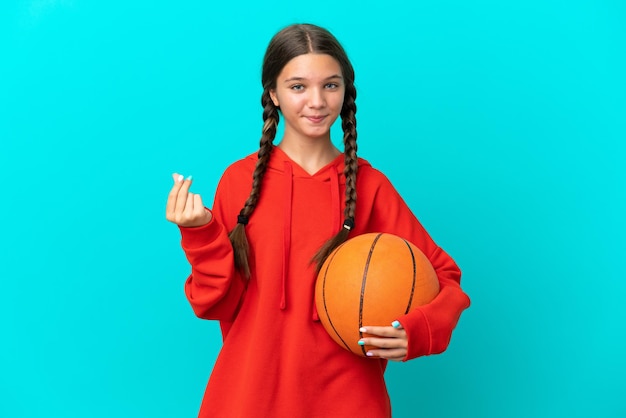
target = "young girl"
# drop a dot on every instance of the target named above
(277, 214)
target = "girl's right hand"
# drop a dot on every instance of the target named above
(183, 208)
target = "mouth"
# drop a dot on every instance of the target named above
(316, 119)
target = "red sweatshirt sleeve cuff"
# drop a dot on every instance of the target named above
(429, 327)
(418, 332)
(199, 236)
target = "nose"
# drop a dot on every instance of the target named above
(316, 99)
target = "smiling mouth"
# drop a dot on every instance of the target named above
(316, 119)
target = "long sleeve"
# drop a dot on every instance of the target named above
(429, 327)
(215, 288)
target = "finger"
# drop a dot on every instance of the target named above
(198, 207)
(397, 325)
(383, 331)
(197, 202)
(383, 342)
(397, 354)
(181, 199)
(171, 199)
(188, 212)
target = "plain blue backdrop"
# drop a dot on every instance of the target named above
(501, 123)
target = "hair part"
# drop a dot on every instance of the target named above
(287, 44)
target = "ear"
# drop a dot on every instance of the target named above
(274, 97)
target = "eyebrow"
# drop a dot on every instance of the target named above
(332, 77)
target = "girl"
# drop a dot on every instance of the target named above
(277, 214)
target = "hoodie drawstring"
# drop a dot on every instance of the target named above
(336, 200)
(286, 230)
(336, 209)
(287, 219)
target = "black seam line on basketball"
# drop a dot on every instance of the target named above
(367, 265)
(414, 277)
(324, 300)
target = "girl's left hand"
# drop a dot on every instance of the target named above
(390, 343)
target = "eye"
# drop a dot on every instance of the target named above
(331, 86)
(297, 87)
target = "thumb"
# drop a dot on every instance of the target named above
(177, 177)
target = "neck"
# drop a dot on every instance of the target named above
(310, 155)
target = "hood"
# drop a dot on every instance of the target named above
(332, 172)
(279, 162)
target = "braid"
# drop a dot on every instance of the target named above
(238, 234)
(348, 123)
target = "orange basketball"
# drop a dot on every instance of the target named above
(371, 279)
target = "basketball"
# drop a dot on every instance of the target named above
(371, 279)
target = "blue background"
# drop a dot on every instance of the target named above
(501, 123)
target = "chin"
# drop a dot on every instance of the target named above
(318, 135)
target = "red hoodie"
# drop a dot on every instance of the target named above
(277, 360)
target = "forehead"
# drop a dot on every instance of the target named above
(311, 66)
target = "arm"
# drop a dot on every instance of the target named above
(214, 289)
(428, 328)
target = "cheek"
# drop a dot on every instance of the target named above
(339, 103)
(283, 100)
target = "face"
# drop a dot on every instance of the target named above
(309, 91)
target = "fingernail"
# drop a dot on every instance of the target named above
(395, 324)
(363, 329)
(361, 343)
(189, 178)
(180, 177)
(368, 354)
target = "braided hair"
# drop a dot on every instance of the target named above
(287, 44)
(238, 234)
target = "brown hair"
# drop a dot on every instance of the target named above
(287, 44)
